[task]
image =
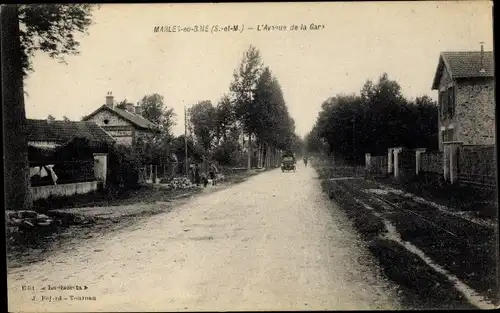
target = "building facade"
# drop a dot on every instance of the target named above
(125, 126)
(465, 83)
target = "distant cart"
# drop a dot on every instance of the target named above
(288, 162)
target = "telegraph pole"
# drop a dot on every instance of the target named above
(185, 142)
(354, 136)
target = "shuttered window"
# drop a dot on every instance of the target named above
(443, 99)
(451, 102)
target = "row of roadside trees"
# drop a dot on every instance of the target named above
(251, 119)
(377, 118)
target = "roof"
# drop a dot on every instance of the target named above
(135, 119)
(63, 131)
(465, 64)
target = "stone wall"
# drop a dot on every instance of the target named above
(43, 192)
(475, 112)
(113, 119)
(477, 166)
(117, 127)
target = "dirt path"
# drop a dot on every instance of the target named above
(273, 242)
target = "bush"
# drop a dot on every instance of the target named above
(228, 154)
(123, 168)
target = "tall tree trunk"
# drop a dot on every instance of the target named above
(16, 166)
(273, 157)
(249, 160)
(264, 155)
(259, 157)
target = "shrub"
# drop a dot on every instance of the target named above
(123, 167)
(228, 154)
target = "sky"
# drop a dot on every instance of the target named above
(359, 41)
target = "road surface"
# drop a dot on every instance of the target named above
(274, 242)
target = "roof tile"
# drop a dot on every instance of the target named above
(131, 117)
(63, 131)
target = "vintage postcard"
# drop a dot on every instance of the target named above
(250, 156)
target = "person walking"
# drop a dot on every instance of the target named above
(305, 161)
(212, 172)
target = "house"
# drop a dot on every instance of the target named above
(51, 177)
(49, 134)
(123, 125)
(465, 82)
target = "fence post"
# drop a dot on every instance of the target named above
(446, 161)
(418, 152)
(396, 152)
(454, 148)
(368, 161)
(390, 155)
(101, 167)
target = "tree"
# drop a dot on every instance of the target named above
(156, 148)
(16, 166)
(225, 117)
(47, 28)
(373, 121)
(243, 88)
(154, 110)
(66, 119)
(50, 28)
(51, 118)
(123, 104)
(202, 117)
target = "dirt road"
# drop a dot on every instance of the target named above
(273, 242)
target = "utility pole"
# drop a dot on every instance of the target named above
(185, 142)
(354, 136)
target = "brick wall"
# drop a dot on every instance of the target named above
(475, 112)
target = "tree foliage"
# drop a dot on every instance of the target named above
(373, 121)
(243, 86)
(202, 118)
(156, 148)
(123, 104)
(50, 28)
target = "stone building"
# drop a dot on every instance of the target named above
(123, 125)
(465, 82)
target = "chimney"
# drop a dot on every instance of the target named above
(110, 100)
(138, 110)
(130, 107)
(481, 66)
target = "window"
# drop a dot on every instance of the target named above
(443, 101)
(106, 121)
(451, 102)
(449, 135)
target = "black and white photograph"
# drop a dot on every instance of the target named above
(279, 156)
